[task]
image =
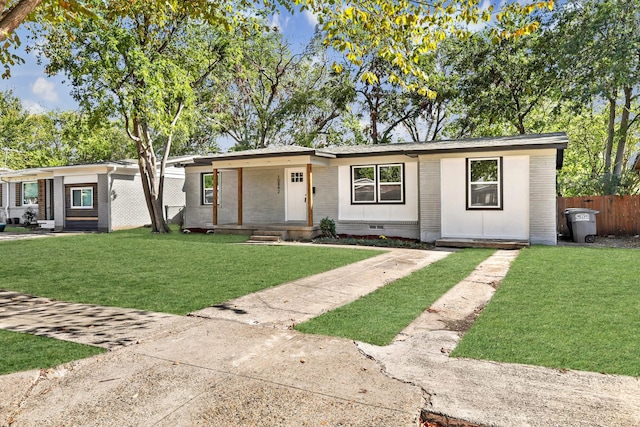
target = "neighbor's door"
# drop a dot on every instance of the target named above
(296, 194)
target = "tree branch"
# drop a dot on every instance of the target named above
(15, 16)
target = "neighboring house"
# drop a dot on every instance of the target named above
(94, 197)
(488, 188)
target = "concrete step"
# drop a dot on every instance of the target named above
(278, 233)
(482, 243)
(261, 238)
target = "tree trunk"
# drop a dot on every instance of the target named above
(152, 184)
(611, 131)
(624, 130)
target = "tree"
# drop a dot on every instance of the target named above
(145, 67)
(56, 138)
(502, 83)
(270, 96)
(13, 126)
(600, 57)
(583, 171)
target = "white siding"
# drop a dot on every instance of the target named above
(512, 222)
(407, 211)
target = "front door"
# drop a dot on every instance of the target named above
(296, 194)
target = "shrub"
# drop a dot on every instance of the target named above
(328, 227)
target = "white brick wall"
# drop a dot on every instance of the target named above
(325, 200)
(430, 199)
(542, 190)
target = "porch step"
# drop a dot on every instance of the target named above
(262, 236)
(482, 243)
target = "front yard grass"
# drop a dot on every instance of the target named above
(20, 352)
(176, 273)
(379, 316)
(566, 308)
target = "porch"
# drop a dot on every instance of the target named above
(297, 230)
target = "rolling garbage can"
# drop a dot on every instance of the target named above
(582, 224)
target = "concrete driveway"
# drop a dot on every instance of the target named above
(240, 365)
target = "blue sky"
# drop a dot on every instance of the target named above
(39, 92)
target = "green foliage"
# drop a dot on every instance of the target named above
(565, 308)
(328, 227)
(598, 59)
(29, 217)
(127, 268)
(379, 316)
(57, 138)
(583, 172)
(501, 83)
(21, 352)
(269, 96)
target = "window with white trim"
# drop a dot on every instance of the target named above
(372, 184)
(30, 193)
(207, 188)
(82, 198)
(484, 183)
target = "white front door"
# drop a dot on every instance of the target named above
(296, 194)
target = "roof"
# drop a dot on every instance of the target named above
(553, 140)
(32, 173)
(519, 142)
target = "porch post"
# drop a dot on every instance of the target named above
(42, 199)
(215, 196)
(309, 195)
(239, 196)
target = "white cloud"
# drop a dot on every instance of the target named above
(33, 107)
(311, 17)
(44, 89)
(278, 22)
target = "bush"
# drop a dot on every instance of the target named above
(328, 227)
(29, 217)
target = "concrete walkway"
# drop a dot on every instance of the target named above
(224, 371)
(285, 305)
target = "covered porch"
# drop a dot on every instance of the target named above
(268, 198)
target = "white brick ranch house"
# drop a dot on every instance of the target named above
(486, 188)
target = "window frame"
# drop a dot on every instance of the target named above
(498, 184)
(203, 189)
(378, 184)
(73, 206)
(24, 200)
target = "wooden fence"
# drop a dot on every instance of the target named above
(618, 215)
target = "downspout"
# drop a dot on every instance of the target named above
(110, 187)
(6, 206)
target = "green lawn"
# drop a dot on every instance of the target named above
(175, 273)
(572, 308)
(379, 316)
(21, 352)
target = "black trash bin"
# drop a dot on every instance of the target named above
(582, 224)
